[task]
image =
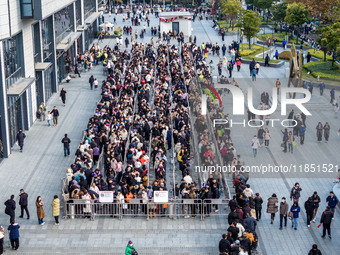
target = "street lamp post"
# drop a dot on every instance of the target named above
(264, 31)
(242, 28)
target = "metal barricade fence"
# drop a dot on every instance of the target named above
(174, 208)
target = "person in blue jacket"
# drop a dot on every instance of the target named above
(332, 201)
(295, 209)
(14, 235)
(302, 131)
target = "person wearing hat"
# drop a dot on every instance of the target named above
(130, 249)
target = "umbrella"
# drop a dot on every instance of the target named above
(106, 24)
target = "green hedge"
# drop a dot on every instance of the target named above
(323, 69)
(319, 54)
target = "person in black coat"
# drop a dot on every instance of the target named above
(309, 207)
(326, 220)
(314, 250)
(258, 206)
(63, 96)
(23, 201)
(20, 139)
(233, 216)
(10, 208)
(233, 230)
(224, 244)
(66, 141)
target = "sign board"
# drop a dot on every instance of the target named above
(105, 196)
(161, 196)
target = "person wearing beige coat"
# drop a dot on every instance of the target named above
(56, 209)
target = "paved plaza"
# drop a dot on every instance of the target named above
(41, 166)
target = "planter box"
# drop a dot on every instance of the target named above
(275, 65)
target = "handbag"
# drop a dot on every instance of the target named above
(293, 143)
(291, 215)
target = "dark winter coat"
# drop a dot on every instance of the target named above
(326, 217)
(10, 207)
(258, 203)
(295, 193)
(23, 199)
(309, 206)
(20, 138)
(224, 245)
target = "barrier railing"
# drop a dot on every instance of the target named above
(174, 208)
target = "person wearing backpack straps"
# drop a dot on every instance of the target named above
(326, 220)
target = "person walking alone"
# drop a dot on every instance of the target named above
(91, 81)
(63, 96)
(295, 209)
(283, 212)
(332, 201)
(255, 145)
(302, 131)
(66, 141)
(314, 250)
(326, 220)
(309, 207)
(40, 210)
(295, 192)
(56, 209)
(23, 201)
(258, 206)
(10, 208)
(55, 115)
(316, 201)
(285, 139)
(267, 137)
(272, 207)
(20, 139)
(14, 235)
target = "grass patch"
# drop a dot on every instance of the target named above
(250, 54)
(319, 54)
(323, 69)
(227, 27)
(257, 59)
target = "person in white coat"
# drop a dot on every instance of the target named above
(255, 145)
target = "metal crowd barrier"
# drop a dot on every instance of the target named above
(175, 208)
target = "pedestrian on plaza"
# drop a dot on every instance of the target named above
(95, 83)
(14, 235)
(309, 56)
(10, 208)
(336, 110)
(321, 87)
(314, 250)
(309, 207)
(257, 67)
(49, 118)
(295, 192)
(130, 249)
(295, 209)
(40, 210)
(272, 207)
(219, 68)
(283, 211)
(267, 137)
(252, 66)
(284, 43)
(66, 141)
(224, 49)
(2, 235)
(319, 129)
(326, 220)
(302, 131)
(253, 74)
(91, 80)
(76, 71)
(258, 206)
(316, 201)
(291, 141)
(332, 94)
(278, 85)
(326, 131)
(55, 115)
(332, 201)
(230, 68)
(23, 202)
(284, 139)
(266, 60)
(38, 114)
(20, 139)
(238, 64)
(56, 209)
(224, 244)
(42, 111)
(63, 96)
(255, 144)
(276, 55)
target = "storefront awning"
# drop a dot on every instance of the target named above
(18, 88)
(92, 18)
(42, 66)
(81, 28)
(68, 41)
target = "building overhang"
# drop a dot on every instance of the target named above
(92, 18)
(42, 66)
(66, 43)
(19, 87)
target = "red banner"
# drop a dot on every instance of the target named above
(174, 18)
